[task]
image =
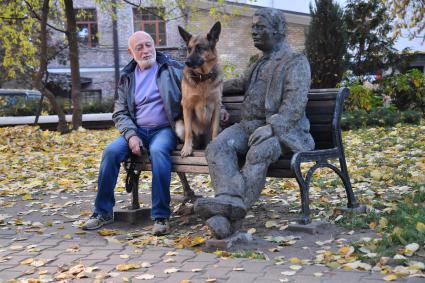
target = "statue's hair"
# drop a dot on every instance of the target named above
(275, 18)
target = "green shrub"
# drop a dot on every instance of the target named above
(360, 98)
(29, 108)
(21, 107)
(407, 91)
(378, 117)
(411, 117)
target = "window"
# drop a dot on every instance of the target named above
(148, 20)
(87, 27)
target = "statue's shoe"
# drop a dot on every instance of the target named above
(231, 207)
(220, 226)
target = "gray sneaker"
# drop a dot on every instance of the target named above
(96, 221)
(161, 227)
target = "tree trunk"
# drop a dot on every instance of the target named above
(74, 63)
(38, 82)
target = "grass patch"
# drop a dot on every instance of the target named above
(396, 228)
(358, 221)
(248, 254)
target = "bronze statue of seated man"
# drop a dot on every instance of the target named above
(273, 122)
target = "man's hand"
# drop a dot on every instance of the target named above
(260, 135)
(224, 116)
(135, 143)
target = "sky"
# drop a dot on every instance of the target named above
(303, 6)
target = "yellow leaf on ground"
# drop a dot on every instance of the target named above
(420, 227)
(126, 266)
(390, 277)
(383, 222)
(411, 249)
(27, 197)
(107, 232)
(270, 224)
(295, 267)
(294, 260)
(27, 261)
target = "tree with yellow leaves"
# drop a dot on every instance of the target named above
(408, 17)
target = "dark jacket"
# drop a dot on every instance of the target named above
(168, 81)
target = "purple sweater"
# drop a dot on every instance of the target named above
(150, 112)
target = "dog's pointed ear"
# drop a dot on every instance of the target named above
(185, 35)
(214, 32)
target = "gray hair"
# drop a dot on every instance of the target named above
(141, 32)
(275, 18)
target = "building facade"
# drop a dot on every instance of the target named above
(100, 57)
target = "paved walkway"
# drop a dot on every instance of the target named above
(39, 239)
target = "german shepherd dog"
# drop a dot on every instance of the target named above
(202, 86)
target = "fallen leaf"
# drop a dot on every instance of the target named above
(288, 273)
(171, 270)
(145, 276)
(270, 224)
(295, 267)
(27, 261)
(390, 277)
(420, 227)
(76, 269)
(410, 249)
(294, 260)
(126, 266)
(107, 232)
(146, 264)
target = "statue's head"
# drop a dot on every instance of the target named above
(268, 28)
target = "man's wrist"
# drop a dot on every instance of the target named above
(129, 133)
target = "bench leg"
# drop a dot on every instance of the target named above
(188, 193)
(351, 198)
(132, 185)
(304, 188)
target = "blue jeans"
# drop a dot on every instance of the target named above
(159, 142)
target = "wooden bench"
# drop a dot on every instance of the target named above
(324, 109)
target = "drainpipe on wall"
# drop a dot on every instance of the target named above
(115, 44)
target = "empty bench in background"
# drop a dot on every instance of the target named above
(324, 109)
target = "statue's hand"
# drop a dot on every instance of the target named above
(260, 135)
(224, 116)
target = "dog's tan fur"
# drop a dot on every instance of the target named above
(201, 99)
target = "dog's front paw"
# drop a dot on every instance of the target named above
(186, 151)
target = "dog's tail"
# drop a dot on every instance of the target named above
(180, 130)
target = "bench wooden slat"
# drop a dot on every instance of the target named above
(320, 119)
(177, 159)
